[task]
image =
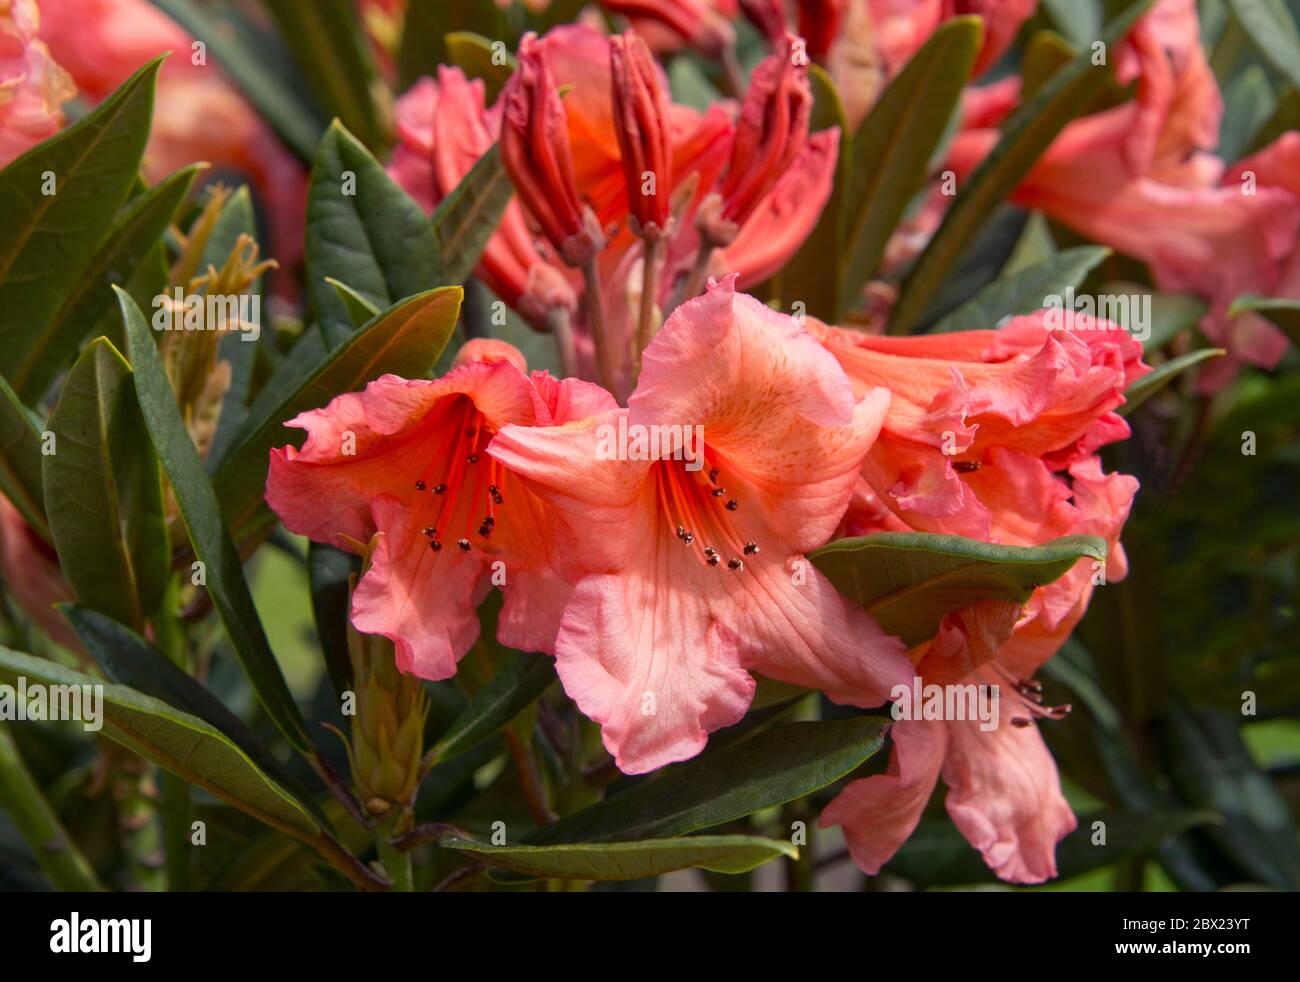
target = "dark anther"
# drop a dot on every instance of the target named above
(419, 485)
(464, 544)
(472, 458)
(966, 466)
(1021, 722)
(733, 504)
(440, 489)
(713, 475)
(435, 545)
(430, 531)
(751, 548)
(714, 560)
(718, 492)
(735, 564)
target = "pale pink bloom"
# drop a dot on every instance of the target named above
(694, 578)
(451, 521)
(33, 87)
(198, 115)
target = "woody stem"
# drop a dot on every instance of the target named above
(561, 324)
(647, 325)
(699, 277)
(599, 330)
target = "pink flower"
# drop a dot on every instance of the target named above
(33, 88)
(691, 578)
(32, 575)
(406, 459)
(991, 434)
(198, 116)
(704, 24)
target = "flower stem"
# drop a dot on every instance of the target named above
(396, 861)
(40, 827)
(647, 325)
(599, 328)
(561, 324)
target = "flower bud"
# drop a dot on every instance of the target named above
(698, 24)
(819, 23)
(642, 124)
(536, 154)
(772, 129)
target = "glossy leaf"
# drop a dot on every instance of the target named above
(1026, 291)
(182, 743)
(1026, 134)
(468, 217)
(51, 232)
(517, 684)
(907, 581)
(626, 860)
(1148, 385)
(892, 149)
(211, 541)
(363, 230)
(358, 307)
(132, 238)
(103, 492)
(404, 340)
(761, 770)
(20, 461)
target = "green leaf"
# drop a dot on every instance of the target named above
(1248, 104)
(908, 580)
(103, 492)
(250, 61)
(182, 743)
(1026, 291)
(47, 240)
(626, 860)
(1211, 768)
(364, 230)
(404, 340)
(1078, 20)
(1026, 134)
(1273, 33)
(517, 684)
(472, 54)
(1148, 385)
(892, 149)
(329, 572)
(358, 307)
(468, 217)
(212, 544)
(428, 23)
(330, 48)
(130, 660)
(768, 768)
(1284, 313)
(20, 461)
(813, 274)
(133, 237)
(936, 854)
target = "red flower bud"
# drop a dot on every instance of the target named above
(642, 124)
(536, 154)
(693, 20)
(772, 129)
(819, 23)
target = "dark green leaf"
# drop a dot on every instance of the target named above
(103, 492)
(404, 340)
(768, 768)
(178, 741)
(626, 860)
(20, 461)
(1148, 385)
(424, 33)
(892, 149)
(1026, 134)
(363, 230)
(329, 571)
(1026, 291)
(468, 217)
(472, 54)
(47, 239)
(133, 237)
(515, 686)
(358, 307)
(250, 62)
(908, 580)
(211, 541)
(1273, 32)
(330, 48)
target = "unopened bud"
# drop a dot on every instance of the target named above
(641, 122)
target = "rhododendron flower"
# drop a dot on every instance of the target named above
(992, 435)
(693, 561)
(198, 115)
(31, 572)
(33, 87)
(1139, 177)
(446, 515)
(703, 24)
